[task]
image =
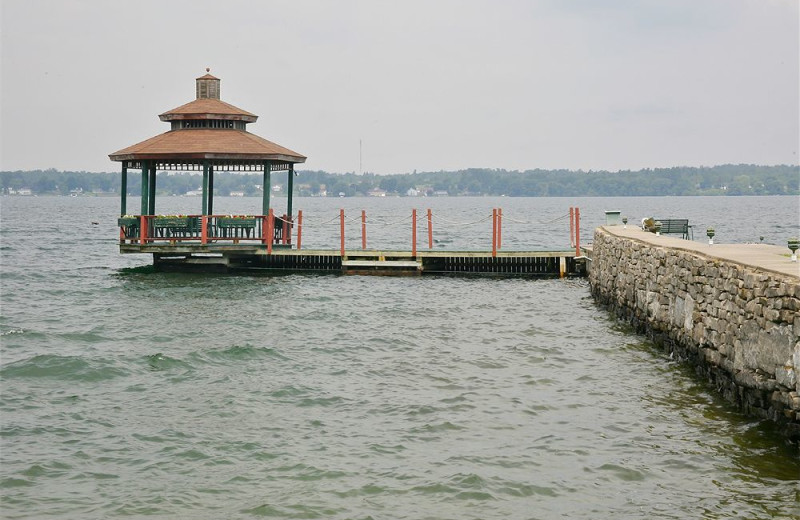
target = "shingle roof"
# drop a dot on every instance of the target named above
(207, 143)
(207, 108)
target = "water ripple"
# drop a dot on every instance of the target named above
(131, 393)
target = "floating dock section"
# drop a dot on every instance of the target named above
(255, 259)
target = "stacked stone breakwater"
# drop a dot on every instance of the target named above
(733, 311)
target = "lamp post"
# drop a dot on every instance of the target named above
(793, 244)
(710, 234)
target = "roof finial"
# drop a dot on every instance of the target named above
(208, 69)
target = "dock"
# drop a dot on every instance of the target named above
(266, 244)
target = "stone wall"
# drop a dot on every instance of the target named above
(738, 325)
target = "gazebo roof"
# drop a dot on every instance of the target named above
(207, 143)
(208, 108)
(207, 128)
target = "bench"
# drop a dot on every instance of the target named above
(676, 226)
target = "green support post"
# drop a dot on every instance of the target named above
(267, 187)
(145, 185)
(290, 187)
(205, 187)
(123, 200)
(210, 189)
(152, 190)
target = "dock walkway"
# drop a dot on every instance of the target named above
(766, 257)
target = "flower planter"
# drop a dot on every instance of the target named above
(181, 223)
(128, 222)
(236, 222)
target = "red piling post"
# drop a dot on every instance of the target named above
(494, 232)
(499, 228)
(341, 229)
(430, 230)
(299, 228)
(143, 230)
(414, 233)
(204, 229)
(571, 226)
(285, 237)
(363, 229)
(577, 232)
(270, 230)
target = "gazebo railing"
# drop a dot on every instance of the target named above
(204, 229)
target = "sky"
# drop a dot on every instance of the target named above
(396, 86)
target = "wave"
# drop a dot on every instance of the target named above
(12, 331)
(160, 361)
(238, 353)
(66, 368)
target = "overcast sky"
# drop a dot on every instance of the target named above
(425, 85)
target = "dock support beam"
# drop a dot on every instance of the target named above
(413, 233)
(341, 229)
(363, 229)
(571, 226)
(299, 229)
(494, 232)
(499, 228)
(430, 230)
(270, 230)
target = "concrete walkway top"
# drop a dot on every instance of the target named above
(760, 256)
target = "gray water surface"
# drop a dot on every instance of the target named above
(128, 393)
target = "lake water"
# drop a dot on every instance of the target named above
(129, 393)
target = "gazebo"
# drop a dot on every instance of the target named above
(206, 135)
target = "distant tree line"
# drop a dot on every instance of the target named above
(729, 179)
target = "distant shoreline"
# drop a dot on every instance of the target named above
(723, 180)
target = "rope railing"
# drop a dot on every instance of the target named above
(456, 223)
(534, 222)
(402, 220)
(277, 230)
(329, 221)
(421, 223)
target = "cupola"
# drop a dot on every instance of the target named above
(207, 86)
